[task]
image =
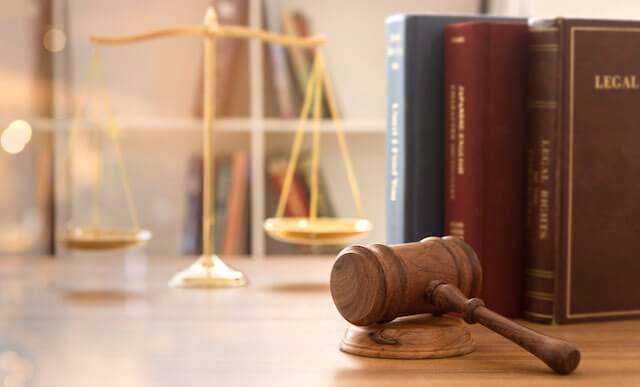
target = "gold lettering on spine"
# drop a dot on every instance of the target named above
(461, 129)
(453, 129)
(543, 196)
(395, 52)
(456, 229)
(395, 151)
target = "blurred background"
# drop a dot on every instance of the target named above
(64, 107)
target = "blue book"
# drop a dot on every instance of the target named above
(192, 232)
(415, 124)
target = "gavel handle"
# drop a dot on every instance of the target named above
(560, 355)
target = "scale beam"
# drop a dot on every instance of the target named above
(227, 31)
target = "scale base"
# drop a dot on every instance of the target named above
(202, 274)
(415, 337)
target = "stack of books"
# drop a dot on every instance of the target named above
(520, 137)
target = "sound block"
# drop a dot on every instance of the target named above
(413, 337)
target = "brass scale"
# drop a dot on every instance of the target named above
(209, 270)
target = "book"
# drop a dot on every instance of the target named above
(192, 228)
(325, 207)
(415, 124)
(297, 205)
(221, 193)
(279, 65)
(231, 63)
(298, 202)
(236, 222)
(239, 94)
(485, 146)
(294, 23)
(583, 170)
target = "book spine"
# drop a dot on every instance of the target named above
(298, 201)
(221, 201)
(467, 56)
(280, 65)
(297, 55)
(542, 173)
(395, 135)
(192, 232)
(325, 209)
(464, 129)
(236, 206)
(228, 58)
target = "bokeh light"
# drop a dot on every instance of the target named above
(15, 370)
(22, 130)
(16, 136)
(54, 40)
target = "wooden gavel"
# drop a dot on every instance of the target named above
(377, 283)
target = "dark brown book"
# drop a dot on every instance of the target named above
(485, 143)
(584, 170)
(231, 64)
(297, 204)
(298, 201)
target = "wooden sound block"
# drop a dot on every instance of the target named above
(414, 337)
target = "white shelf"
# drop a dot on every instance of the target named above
(37, 123)
(267, 125)
(350, 126)
(241, 125)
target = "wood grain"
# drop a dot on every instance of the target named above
(281, 330)
(559, 355)
(377, 283)
(412, 337)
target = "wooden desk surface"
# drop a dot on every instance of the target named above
(114, 322)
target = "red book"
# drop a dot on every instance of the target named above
(485, 146)
(298, 201)
(236, 223)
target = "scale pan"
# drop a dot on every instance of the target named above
(105, 239)
(321, 231)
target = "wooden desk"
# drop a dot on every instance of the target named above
(91, 322)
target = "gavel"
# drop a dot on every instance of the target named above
(375, 284)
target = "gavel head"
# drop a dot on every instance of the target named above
(377, 283)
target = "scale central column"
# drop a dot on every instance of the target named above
(208, 271)
(209, 109)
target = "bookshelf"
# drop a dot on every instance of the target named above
(241, 125)
(157, 118)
